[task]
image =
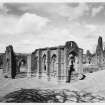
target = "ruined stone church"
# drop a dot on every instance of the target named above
(54, 62)
(63, 63)
(98, 57)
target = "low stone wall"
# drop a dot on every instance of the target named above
(92, 68)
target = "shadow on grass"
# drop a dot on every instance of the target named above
(49, 96)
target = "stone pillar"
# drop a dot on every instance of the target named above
(9, 62)
(33, 63)
(65, 63)
(80, 61)
(39, 63)
(59, 63)
(29, 66)
(100, 59)
(76, 64)
(67, 67)
(48, 63)
(62, 64)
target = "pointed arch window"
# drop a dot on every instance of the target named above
(53, 60)
(44, 62)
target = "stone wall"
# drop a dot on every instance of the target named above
(34, 61)
(9, 67)
(14, 63)
(53, 62)
(95, 61)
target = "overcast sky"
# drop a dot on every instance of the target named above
(37, 25)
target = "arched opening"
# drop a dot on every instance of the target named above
(7, 64)
(71, 59)
(72, 53)
(53, 64)
(44, 62)
(21, 65)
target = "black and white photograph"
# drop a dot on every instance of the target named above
(52, 52)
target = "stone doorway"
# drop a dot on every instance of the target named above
(53, 65)
(71, 62)
(71, 54)
(21, 65)
(44, 63)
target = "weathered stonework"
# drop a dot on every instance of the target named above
(12, 62)
(61, 63)
(96, 61)
(48, 63)
(29, 66)
(99, 51)
(54, 61)
(9, 62)
(39, 63)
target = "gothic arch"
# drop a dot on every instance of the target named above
(72, 48)
(44, 62)
(20, 63)
(53, 63)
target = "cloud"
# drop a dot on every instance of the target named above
(80, 10)
(15, 30)
(93, 36)
(48, 25)
(95, 11)
(3, 9)
(30, 31)
(91, 27)
(30, 23)
(56, 10)
(7, 24)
